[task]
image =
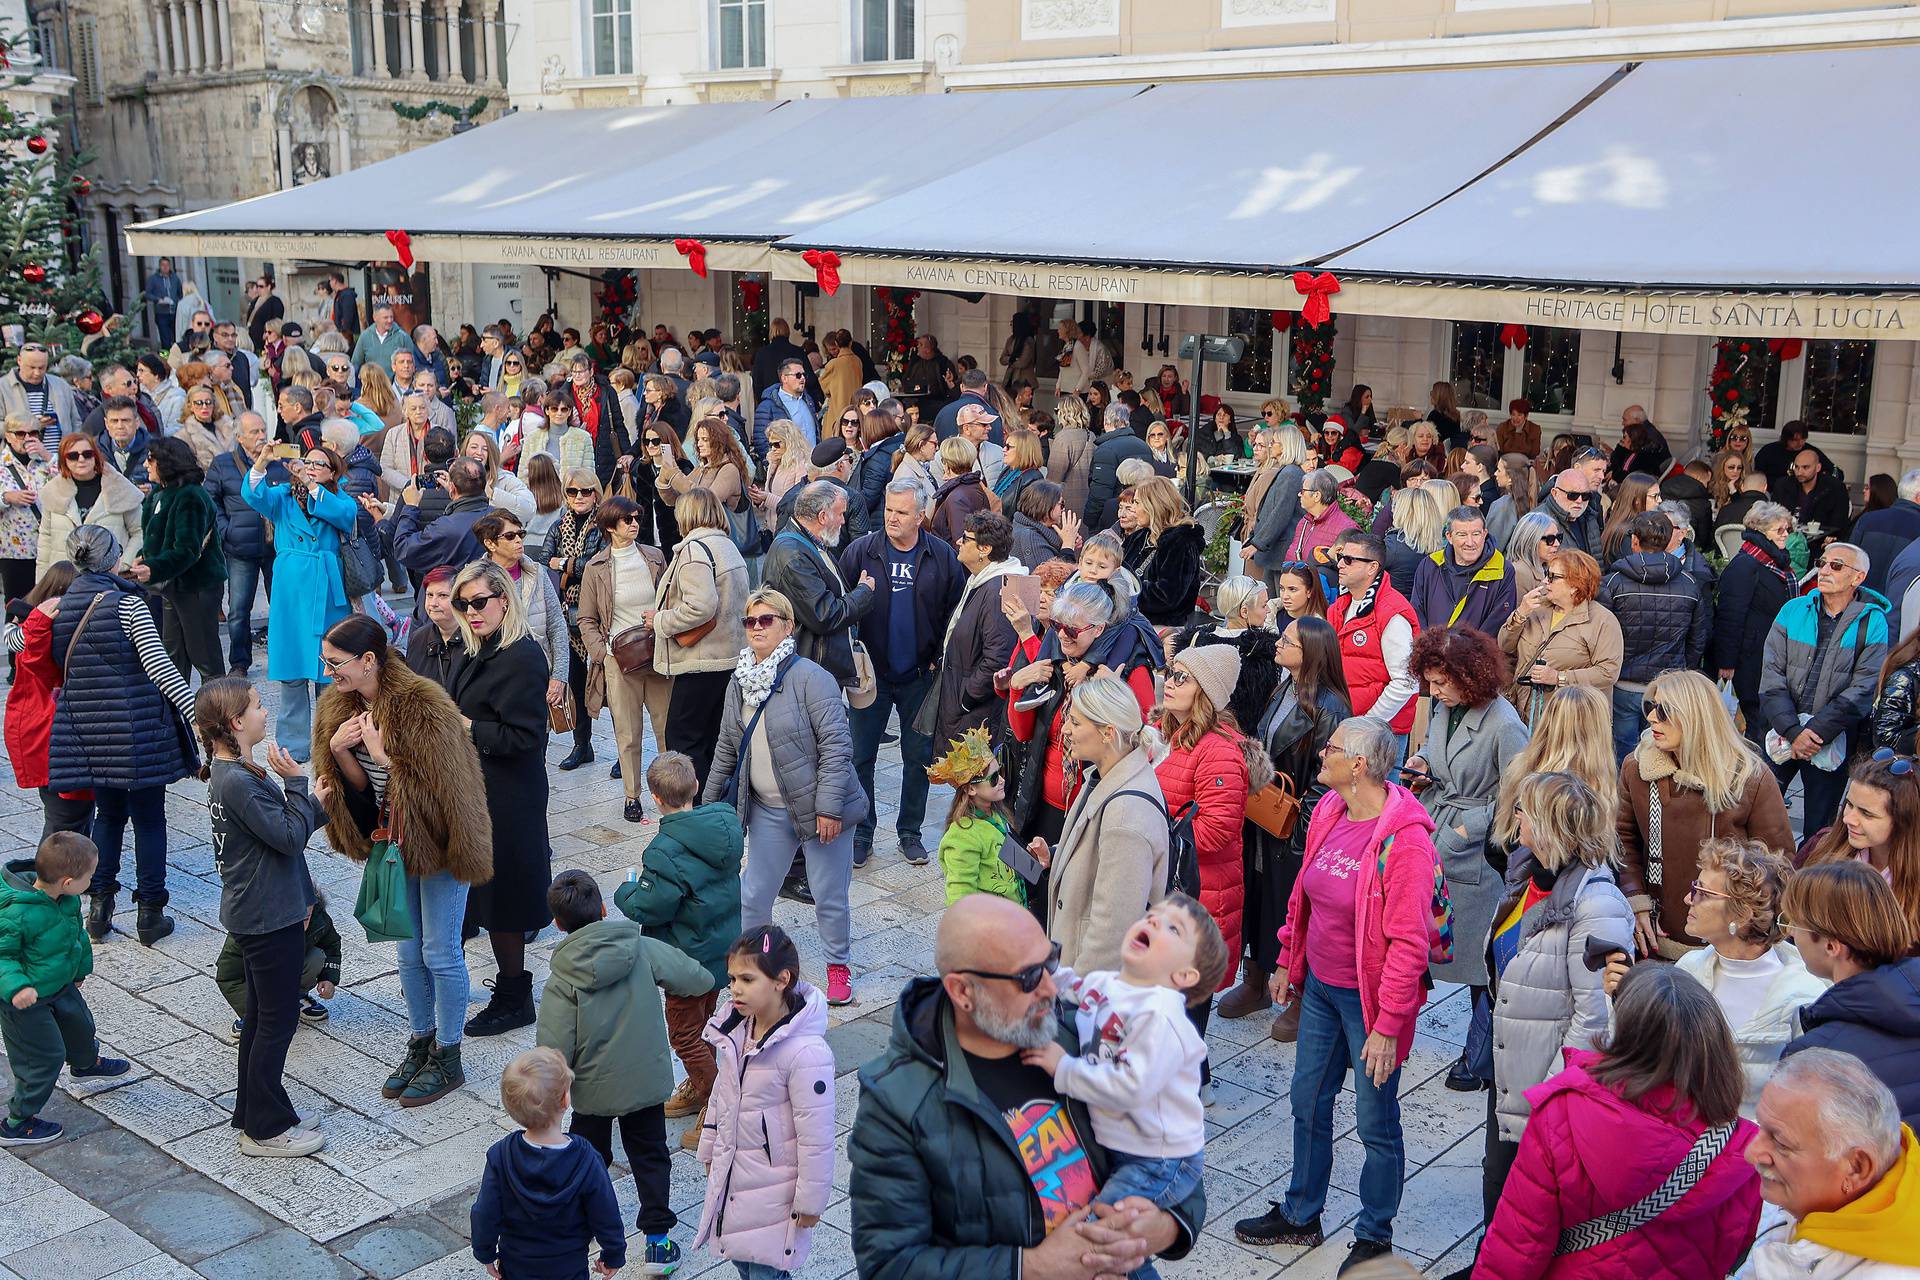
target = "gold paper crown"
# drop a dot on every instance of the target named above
(968, 758)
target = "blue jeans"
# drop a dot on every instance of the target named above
(1628, 721)
(243, 582)
(147, 806)
(293, 727)
(1165, 1180)
(916, 753)
(772, 843)
(433, 968)
(1332, 1033)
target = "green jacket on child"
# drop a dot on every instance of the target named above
(970, 857)
(43, 944)
(688, 892)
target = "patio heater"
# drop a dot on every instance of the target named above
(1200, 348)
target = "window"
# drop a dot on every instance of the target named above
(1757, 376)
(740, 34)
(610, 38)
(1551, 373)
(1838, 385)
(885, 30)
(1262, 371)
(1487, 374)
(47, 44)
(1479, 369)
(86, 60)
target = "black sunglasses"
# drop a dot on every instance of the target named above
(1654, 710)
(1573, 497)
(579, 493)
(1029, 978)
(1345, 560)
(1551, 539)
(760, 621)
(474, 604)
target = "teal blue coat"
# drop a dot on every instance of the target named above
(307, 595)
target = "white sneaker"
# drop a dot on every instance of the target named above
(294, 1142)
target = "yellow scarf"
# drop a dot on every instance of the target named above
(1883, 1224)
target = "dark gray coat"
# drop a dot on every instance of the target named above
(807, 728)
(1467, 766)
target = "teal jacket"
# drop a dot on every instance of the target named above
(688, 891)
(43, 945)
(1843, 688)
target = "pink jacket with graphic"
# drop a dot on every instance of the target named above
(1396, 913)
(1588, 1151)
(767, 1137)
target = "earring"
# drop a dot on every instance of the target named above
(1733, 930)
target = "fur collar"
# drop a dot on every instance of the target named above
(1657, 766)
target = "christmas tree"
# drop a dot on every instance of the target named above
(49, 283)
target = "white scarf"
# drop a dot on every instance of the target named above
(755, 679)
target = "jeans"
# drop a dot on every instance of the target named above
(1165, 1180)
(1628, 720)
(1821, 789)
(916, 753)
(1332, 1033)
(272, 963)
(293, 727)
(147, 806)
(433, 968)
(644, 1135)
(244, 578)
(771, 844)
(761, 1271)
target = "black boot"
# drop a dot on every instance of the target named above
(100, 916)
(153, 923)
(511, 1006)
(577, 757)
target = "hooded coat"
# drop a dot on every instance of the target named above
(1211, 775)
(767, 1138)
(1842, 689)
(1588, 1152)
(687, 892)
(538, 1207)
(42, 943)
(1875, 1016)
(1665, 613)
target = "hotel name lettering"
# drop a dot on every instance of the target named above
(1716, 315)
(1058, 282)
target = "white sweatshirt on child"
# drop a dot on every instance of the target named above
(1139, 1065)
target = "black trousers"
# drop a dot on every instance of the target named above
(272, 964)
(190, 630)
(693, 723)
(577, 681)
(1498, 1163)
(1049, 824)
(1200, 1015)
(16, 580)
(644, 1135)
(62, 814)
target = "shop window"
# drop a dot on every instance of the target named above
(1837, 386)
(1262, 371)
(610, 37)
(740, 32)
(884, 30)
(1479, 367)
(1551, 369)
(1487, 374)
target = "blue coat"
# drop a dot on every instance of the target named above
(308, 597)
(111, 726)
(1883, 535)
(1875, 1016)
(243, 533)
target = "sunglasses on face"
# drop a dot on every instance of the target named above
(82, 455)
(1551, 576)
(1029, 978)
(1344, 560)
(761, 621)
(1551, 539)
(512, 535)
(1655, 711)
(474, 604)
(579, 493)
(1898, 765)
(1177, 677)
(1071, 633)
(513, 364)
(19, 435)
(653, 442)
(1836, 566)
(1571, 497)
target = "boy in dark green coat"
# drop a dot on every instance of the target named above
(44, 953)
(319, 972)
(687, 892)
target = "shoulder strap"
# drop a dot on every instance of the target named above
(74, 639)
(1611, 1226)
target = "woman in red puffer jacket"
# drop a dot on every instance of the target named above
(1605, 1134)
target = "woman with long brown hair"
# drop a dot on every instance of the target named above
(723, 469)
(1637, 493)
(1728, 470)
(1519, 486)
(1880, 826)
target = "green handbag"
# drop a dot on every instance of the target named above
(381, 907)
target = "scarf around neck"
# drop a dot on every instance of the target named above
(756, 678)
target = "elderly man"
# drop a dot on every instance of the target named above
(1839, 1173)
(246, 367)
(1811, 494)
(1467, 583)
(931, 376)
(243, 534)
(976, 424)
(124, 440)
(227, 397)
(1571, 501)
(1114, 445)
(493, 350)
(42, 398)
(380, 342)
(1642, 448)
(439, 412)
(426, 342)
(1822, 664)
(786, 398)
(965, 1161)
(800, 567)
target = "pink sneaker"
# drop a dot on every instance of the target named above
(839, 984)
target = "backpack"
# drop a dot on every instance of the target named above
(1183, 852)
(1440, 909)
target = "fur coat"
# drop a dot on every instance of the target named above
(438, 798)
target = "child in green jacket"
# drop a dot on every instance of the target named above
(44, 953)
(319, 972)
(978, 825)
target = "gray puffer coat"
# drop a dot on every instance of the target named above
(806, 724)
(1547, 999)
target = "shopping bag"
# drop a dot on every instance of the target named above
(381, 907)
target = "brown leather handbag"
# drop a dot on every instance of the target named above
(632, 650)
(1275, 808)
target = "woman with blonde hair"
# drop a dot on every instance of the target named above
(1164, 553)
(1266, 540)
(1729, 469)
(1025, 462)
(376, 392)
(504, 489)
(1560, 635)
(298, 367)
(962, 490)
(1424, 443)
(788, 457)
(697, 629)
(1573, 734)
(1070, 462)
(637, 358)
(1419, 529)
(1691, 778)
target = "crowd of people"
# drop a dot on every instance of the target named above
(1461, 705)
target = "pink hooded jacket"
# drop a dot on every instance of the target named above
(1588, 1151)
(1396, 914)
(768, 1137)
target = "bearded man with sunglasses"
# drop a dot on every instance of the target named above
(1573, 502)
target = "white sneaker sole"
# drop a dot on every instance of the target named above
(284, 1147)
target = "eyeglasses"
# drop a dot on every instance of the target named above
(1553, 576)
(760, 621)
(334, 664)
(1898, 765)
(1072, 633)
(1178, 677)
(1334, 749)
(1837, 566)
(1572, 497)
(1029, 978)
(1696, 890)
(511, 535)
(1654, 710)
(322, 463)
(1344, 560)
(579, 493)
(1551, 539)
(474, 604)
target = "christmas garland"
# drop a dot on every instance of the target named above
(618, 292)
(752, 291)
(436, 107)
(1732, 360)
(900, 329)
(1313, 364)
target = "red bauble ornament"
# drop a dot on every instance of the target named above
(90, 321)
(37, 144)
(81, 186)
(33, 273)
(1733, 396)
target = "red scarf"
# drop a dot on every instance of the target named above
(1765, 556)
(589, 412)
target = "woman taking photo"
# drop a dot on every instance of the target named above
(399, 759)
(1269, 532)
(85, 491)
(618, 590)
(121, 727)
(1535, 537)
(1559, 636)
(1168, 546)
(1519, 494)
(656, 445)
(30, 699)
(575, 539)
(180, 557)
(696, 626)
(1610, 1129)
(499, 684)
(1354, 954)
(785, 762)
(723, 469)
(1690, 779)
(1307, 706)
(504, 538)
(309, 516)
(1879, 826)
(1757, 581)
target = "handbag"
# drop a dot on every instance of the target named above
(743, 526)
(561, 718)
(1595, 1232)
(632, 650)
(381, 907)
(1275, 808)
(866, 686)
(359, 568)
(1183, 851)
(694, 635)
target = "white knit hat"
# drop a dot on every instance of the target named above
(1215, 667)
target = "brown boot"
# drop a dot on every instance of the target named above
(1249, 997)
(685, 1100)
(690, 1140)
(1286, 1027)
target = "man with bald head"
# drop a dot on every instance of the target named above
(1574, 503)
(1813, 494)
(967, 1162)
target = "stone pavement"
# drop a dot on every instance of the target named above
(147, 1182)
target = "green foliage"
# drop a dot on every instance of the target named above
(458, 114)
(1220, 546)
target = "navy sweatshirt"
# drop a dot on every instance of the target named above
(539, 1206)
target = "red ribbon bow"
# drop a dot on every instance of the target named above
(402, 248)
(696, 255)
(826, 268)
(1786, 348)
(1282, 321)
(1316, 289)
(750, 294)
(1513, 335)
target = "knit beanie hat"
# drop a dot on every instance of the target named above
(1216, 667)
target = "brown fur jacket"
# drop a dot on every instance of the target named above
(433, 783)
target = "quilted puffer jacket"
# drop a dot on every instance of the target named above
(1214, 772)
(1588, 1152)
(1665, 613)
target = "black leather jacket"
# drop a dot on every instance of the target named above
(1896, 712)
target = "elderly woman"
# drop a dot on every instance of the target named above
(24, 468)
(85, 490)
(503, 536)
(962, 491)
(1275, 510)
(1560, 635)
(1354, 953)
(120, 727)
(1691, 777)
(1111, 858)
(309, 516)
(1321, 519)
(1042, 526)
(402, 452)
(696, 625)
(785, 762)
(180, 557)
(398, 758)
(1535, 536)
(575, 539)
(619, 589)
(1756, 582)
(499, 685)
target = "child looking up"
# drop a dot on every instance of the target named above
(978, 826)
